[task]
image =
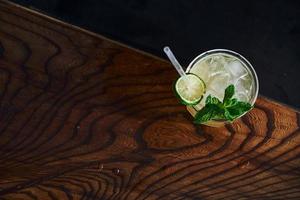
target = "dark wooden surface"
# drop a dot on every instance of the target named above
(82, 117)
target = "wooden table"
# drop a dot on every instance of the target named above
(83, 117)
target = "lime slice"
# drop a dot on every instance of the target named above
(190, 89)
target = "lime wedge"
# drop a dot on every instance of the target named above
(190, 89)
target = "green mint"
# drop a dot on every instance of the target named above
(229, 92)
(229, 109)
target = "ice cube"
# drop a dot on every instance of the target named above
(236, 68)
(243, 88)
(216, 60)
(219, 82)
(217, 93)
(243, 84)
(216, 64)
(242, 96)
(202, 70)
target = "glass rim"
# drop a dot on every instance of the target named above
(241, 58)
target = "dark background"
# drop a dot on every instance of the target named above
(267, 33)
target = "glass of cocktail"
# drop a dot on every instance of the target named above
(217, 87)
(220, 68)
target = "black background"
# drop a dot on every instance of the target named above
(267, 33)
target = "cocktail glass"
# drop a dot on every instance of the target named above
(219, 68)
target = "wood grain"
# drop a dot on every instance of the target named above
(82, 117)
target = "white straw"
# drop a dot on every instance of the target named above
(174, 61)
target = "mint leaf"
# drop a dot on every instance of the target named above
(229, 116)
(237, 109)
(208, 100)
(215, 100)
(210, 111)
(229, 109)
(220, 115)
(229, 92)
(212, 100)
(230, 102)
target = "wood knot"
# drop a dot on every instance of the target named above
(166, 134)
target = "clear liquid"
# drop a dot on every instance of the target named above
(219, 71)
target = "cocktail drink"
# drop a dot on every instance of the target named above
(218, 69)
(218, 86)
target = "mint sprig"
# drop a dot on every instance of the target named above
(229, 109)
